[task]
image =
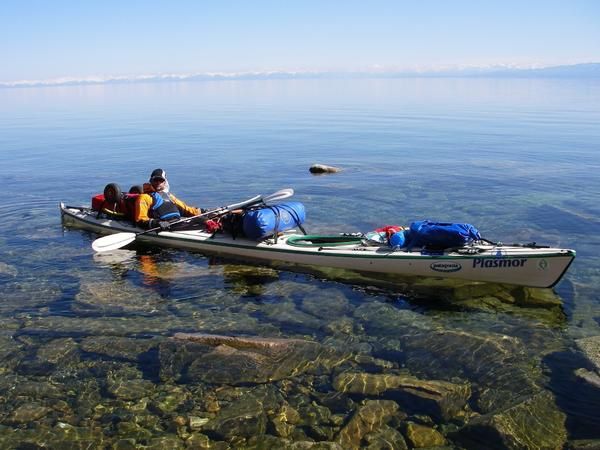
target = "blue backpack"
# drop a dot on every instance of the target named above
(440, 235)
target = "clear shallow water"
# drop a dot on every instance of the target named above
(517, 158)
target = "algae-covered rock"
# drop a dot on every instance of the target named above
(440, 398)
(368, 418)
(531, 424)
(453, 290)
(535, 297)
(420, 436)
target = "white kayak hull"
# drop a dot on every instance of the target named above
(517, 265)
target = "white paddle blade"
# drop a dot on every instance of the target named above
(113, 241)
(250, 201)
(279, 195)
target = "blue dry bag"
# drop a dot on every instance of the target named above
(440, 235)
(264, 222)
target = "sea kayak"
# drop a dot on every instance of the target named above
(522, 265)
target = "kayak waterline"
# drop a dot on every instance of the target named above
(482, 261)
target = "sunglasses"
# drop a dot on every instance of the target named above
(157, 180)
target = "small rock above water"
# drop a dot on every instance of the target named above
(322, 168)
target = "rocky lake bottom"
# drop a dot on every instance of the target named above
(270, 358)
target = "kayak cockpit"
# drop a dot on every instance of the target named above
(314, 240)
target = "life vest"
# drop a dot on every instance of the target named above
(121, 209)
(163, 207)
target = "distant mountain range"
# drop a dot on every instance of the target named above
(586, 70)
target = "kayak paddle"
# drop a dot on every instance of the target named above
(118, 240)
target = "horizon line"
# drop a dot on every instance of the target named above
(585, 70)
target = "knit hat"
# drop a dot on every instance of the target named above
(158, 173)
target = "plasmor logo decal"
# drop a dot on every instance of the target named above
(543, 264)
(446, 267)
(483, 263)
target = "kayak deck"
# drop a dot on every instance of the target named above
(518, 265)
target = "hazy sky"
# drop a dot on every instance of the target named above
(57, 38)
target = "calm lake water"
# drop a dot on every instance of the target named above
(84, 338)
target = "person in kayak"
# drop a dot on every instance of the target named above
(157, 207)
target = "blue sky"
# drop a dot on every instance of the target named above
(50, 39)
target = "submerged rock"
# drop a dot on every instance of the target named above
(49, 357)
(440, 398)
(28, 296)
(583, 444)
(386, 438)
(28, 413)
(58, 351)
(497, 365)
(10, 354)
(237, 360)
(322, 168)
(116, 297)
(127, 384)
(535, 297)
(246, 416)
(591, 377)
(531, 424)
(368, 418)
(423, 436)
(590, 347)
(118, 347)
(170, 399)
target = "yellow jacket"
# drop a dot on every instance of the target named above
(144, 202)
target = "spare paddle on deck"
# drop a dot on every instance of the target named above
(115, 241)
